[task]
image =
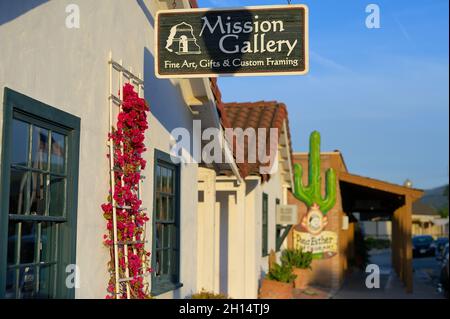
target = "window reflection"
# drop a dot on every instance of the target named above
(20, 141)
(39, 152)
(37, 198)
(57, 159)
(18, 191)
(57, 196)
(28, 242)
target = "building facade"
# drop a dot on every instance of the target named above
(211, 225)
(237, 214)
(54, 124)
(358, 199)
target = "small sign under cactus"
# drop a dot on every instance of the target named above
(310, 235)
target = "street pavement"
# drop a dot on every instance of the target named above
(426, 279)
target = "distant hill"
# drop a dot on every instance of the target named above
(435, 197)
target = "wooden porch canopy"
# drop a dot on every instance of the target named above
(370, 196)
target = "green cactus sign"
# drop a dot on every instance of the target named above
(312, 193)
(323, 244)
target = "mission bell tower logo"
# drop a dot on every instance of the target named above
(182, 41)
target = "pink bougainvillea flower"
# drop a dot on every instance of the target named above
(128, 141)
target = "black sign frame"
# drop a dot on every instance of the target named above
(181, 15)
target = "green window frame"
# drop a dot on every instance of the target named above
(265, 224)
(38, 189)
(278, 229)
(166, 225)
(281, 231)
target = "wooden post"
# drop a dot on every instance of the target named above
(408, 245)
(393, 242)
(396, 241)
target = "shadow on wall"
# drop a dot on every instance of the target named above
(164, 97)
(146, 12)
(10, 10)
(223, 199)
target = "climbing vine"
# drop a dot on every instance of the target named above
(128, 141)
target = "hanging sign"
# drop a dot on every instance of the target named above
(268, 40)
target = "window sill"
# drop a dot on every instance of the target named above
(162, 288)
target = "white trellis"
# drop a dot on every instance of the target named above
(122, 75)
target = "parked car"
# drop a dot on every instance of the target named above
(440, 243)
(444, 271)
(423, 245)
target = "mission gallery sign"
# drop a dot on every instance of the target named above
(269, 40)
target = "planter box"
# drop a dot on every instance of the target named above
(271, 289)
(303, 279)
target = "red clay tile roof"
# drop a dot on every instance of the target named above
(257, 115)
(219, 103)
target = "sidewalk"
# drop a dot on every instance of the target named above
(390, 288)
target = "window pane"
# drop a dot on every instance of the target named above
(12, 243)
(18, 191)
(57, 189)
(166, 236)
(27, 282)
(58, 154)
(158, 236)
(28, 242)
(165, 263)
(20, 142)
(163, 213)
(158, 263)
(48, 241)
(158, 207)
(169, 181)
(170, 208)
(158, 179)
(39, 155)
(164, 179)
(37, 197)
(45, 282)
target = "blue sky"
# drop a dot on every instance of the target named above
(380, 96)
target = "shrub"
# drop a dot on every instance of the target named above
(374, 243)
(203, 294)
(297, 258)
(281, 273)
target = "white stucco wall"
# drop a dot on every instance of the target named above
(240, 265)
(67, 68)
(273, 188)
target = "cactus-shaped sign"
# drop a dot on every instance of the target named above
(310, 235)
(312, 193)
